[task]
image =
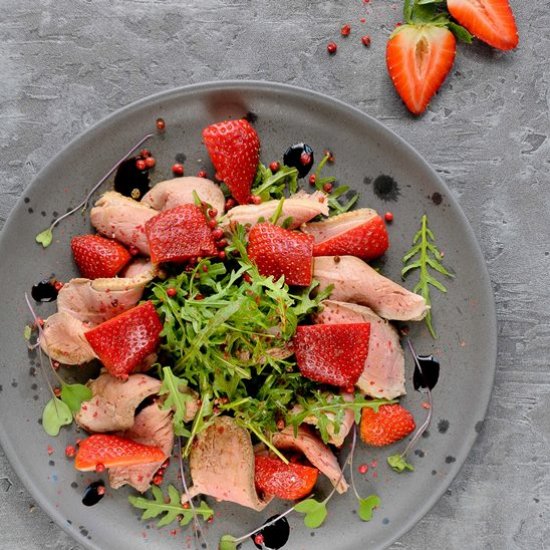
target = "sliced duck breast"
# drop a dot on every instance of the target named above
(175, 192)
(355, 281)
(384, 373)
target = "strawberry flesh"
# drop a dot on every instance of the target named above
(332, 354)
(390, 424)
(234, 149)
(98, 257)
(113, 450)
(281, 252)
(179, 234)
(418, 58)
(367, 241)
(286, 481)
(123, 342)
(492, 21)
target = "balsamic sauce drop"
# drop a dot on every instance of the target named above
(131, 182)
(430, 372)
(91, 494)
(44, 291)
(386, 188)
(299, 156)
(275, 535)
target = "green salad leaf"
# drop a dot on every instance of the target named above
(367, 506)
(45, 237)
(74, 394)
(55, 415)
(315, 512)
(398, 463)
(227, 542)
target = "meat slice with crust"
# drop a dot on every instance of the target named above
(222, 465)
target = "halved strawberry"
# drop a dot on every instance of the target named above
(123, 342)
(360, 233)
(489, 20)
(332, 354)
(277, 251)
(234, 149)
(179, 234)
(390, 424)
(418, 58)
(112, 450)
(98, 257)
(287, 481)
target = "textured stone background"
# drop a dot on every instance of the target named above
(66, 64)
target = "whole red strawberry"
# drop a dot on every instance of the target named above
(390, 424)
(277, 252)
(112, 450)
(287, 481)
(123, 342)
(234, 149)
(332, 354)
(98, 257)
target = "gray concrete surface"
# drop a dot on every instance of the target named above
(66, 64)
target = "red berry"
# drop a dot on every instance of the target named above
(212, 223)
(274, 166)
(171, 292)
(305, 158)
(161, 125)
(221, 255)
(229, 203)
(70, 451)
(133, 250)
(56, 364)
(256, 199)
(327, 188)
(366, 40)
(57, 391)
(58, 285)
(140, 164)
(330, 156)
(222, 243)
(165, 463)
(99, 467)
(177, 169)
(213, 212)
(345, 30)
(312, 179)
(157, 480)
(150, 162)
(201, 174)
(388, 216)
(363, 469)
(217, 233)
(101, 490)
(259, 539)
(331, 48)
(144, 153)
(247, 278)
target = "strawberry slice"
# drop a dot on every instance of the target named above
(332, 354)
(286, 481)
(360, 233)
(113, 450)
(98, 257)
(179, 234)
(418, 58)
(492, 21)
(390, 424)
(281, 252)
(123, 342)
(234, 149)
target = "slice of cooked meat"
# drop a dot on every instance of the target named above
(301, 207)
(138, 266)
(152, 426)
(175, 192)
(63, 339)
(355, 281)
(222, 465)
(336, 439)
(99, 300)
(114, 402)
(123, 219)
(315, 451)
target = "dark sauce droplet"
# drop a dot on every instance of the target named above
(92, 495)
(275, 536)
(131, 182)
(430, 372)
(251, 117)
(299, 156)
(386, 188)
(44, 291)
(437, 198)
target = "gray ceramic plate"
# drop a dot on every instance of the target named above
(365, 150)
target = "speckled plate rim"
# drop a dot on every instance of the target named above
(285, 90)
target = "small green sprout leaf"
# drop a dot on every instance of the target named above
(227, 542)
(399, 464)
(55, 414)
(45, 237)
(27, 332)
(74, 394)
(367, 505)
(315, 512)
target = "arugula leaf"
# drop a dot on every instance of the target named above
(367, 505)
(275, 186)
(428, 257)
(398, 463)
(177, 399)
(315, 512)
(74, 394)
(56, 414)
(170, 508)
